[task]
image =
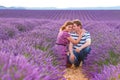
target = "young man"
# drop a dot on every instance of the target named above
(79, 51)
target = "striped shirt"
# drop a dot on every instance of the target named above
(83, 40)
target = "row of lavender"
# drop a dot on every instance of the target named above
(25, 51)
(86, 15)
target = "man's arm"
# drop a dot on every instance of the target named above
(88, 43)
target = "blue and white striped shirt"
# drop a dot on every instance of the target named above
(83, 40)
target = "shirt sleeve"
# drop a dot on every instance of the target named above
(66, 34)
(88, 36)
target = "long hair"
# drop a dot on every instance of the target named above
(66, 24)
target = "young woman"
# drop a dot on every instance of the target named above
(62, 43)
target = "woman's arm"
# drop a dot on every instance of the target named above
(79, 38)
(71, 48)
(72, 57)
(74, 41)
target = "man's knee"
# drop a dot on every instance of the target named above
(75, 53)
(87, 49)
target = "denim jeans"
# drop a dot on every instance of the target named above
(81, 56)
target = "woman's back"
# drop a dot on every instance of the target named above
(62, 38)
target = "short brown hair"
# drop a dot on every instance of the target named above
(66, 24)
(78, 23)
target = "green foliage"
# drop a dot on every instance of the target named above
(42, 47)
(11, 33)
(27, 55)
(113, 59)
(118, 76)
(54, 61)
(113, 78)
(21, 27)
(1, 66)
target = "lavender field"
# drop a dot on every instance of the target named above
(27, 39)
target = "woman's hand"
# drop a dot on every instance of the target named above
(72, 58)
(68, 53)
(81, 33)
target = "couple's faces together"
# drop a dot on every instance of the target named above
(72, 28)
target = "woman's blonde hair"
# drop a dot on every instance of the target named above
(66, 24)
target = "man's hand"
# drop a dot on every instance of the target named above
(78, 50)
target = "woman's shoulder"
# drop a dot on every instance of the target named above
(63, 33)
(66, 34)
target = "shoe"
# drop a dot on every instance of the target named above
(76, 66)
(68, 65)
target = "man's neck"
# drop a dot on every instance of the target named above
(79, 31)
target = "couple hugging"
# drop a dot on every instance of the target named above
(72, 44)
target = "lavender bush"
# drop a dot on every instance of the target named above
(108, 73)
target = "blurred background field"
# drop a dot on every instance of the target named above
(28, 36)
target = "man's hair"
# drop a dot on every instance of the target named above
(78, 23)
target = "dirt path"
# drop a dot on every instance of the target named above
(74, 74)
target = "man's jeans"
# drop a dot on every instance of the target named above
(81, 56)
